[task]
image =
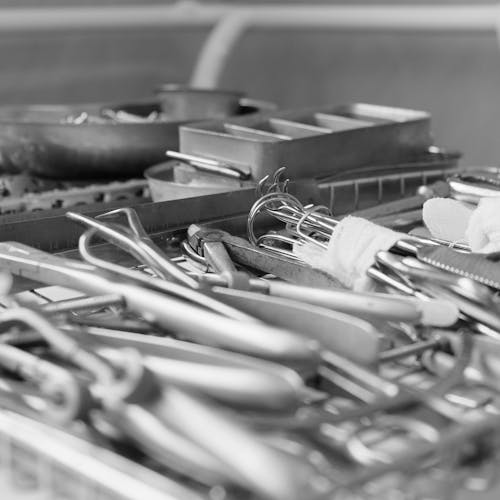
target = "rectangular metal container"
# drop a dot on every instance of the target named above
(313, 142)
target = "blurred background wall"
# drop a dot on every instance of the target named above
(456, 76)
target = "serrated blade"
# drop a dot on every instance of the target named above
(470, 265)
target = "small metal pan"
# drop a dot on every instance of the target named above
(40, 140)
(181, 102)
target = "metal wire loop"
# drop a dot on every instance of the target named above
(313, 223)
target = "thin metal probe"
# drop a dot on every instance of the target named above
(208, 165)
(410, 350)
(83, 304)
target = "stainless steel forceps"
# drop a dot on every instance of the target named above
(135, 240)
(218, 248)
(320, 324)
(175, 428)
(185, 319)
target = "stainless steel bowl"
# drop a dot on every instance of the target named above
(173, 180)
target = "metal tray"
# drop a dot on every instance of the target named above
(343, 196)
(312, 142)
(52, 231)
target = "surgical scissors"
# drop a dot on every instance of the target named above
(217, 248)
(192, 295)
(380, 393)
(233, 379)
(185, 319)
(344, 433)
(320, 324)
(152, 426)
(158, 419)
(284, 309)
(134, 240)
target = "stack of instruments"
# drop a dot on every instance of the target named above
(184, 350)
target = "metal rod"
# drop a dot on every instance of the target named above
(84, 303)
(409, 350)
(231, 27)
(208, 165)
(481, 17)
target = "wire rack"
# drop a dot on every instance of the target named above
(39, 462)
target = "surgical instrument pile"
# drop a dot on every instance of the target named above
(232, 370)
(169, 342)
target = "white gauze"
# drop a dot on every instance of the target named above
(483, 230)
(447, 219)
(351, 251)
